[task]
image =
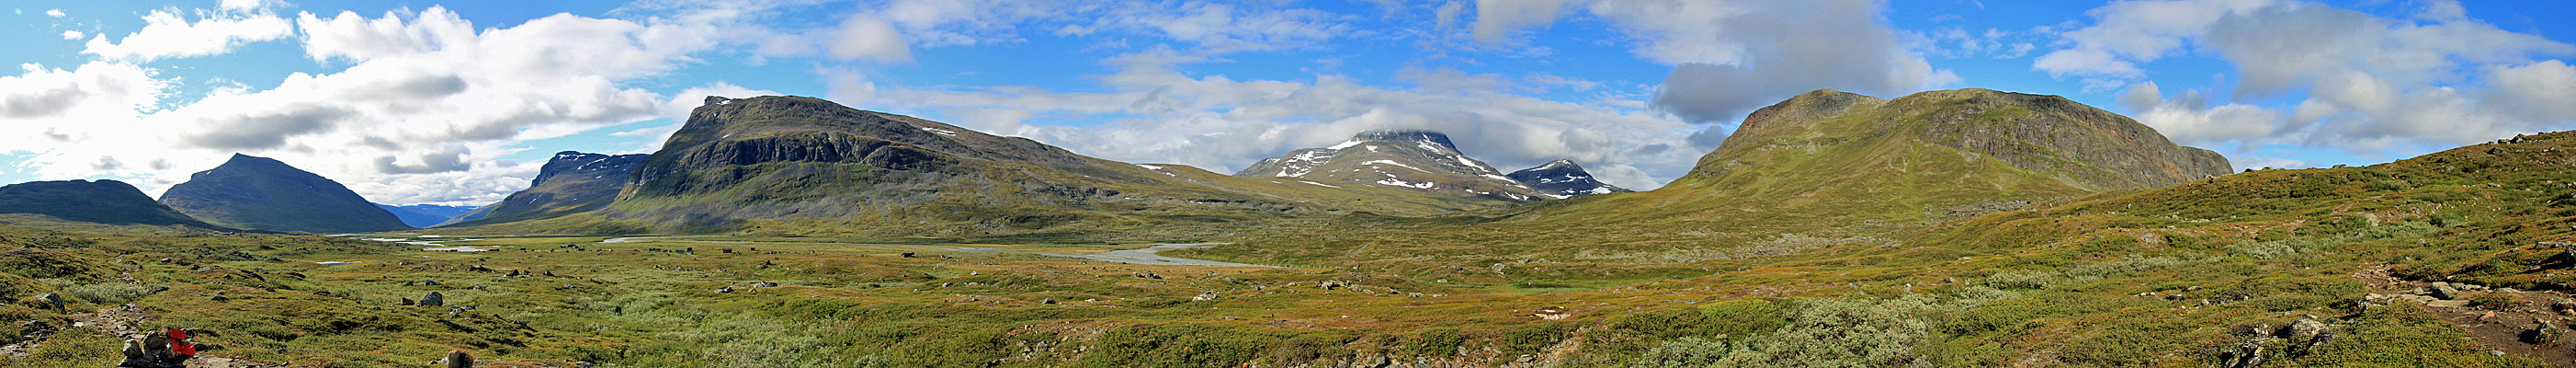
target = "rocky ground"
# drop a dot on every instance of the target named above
(2528, 323)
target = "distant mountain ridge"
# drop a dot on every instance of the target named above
(570, 182)
(1411, 159)
(260, 193)
(103, 201)
(426, 215)
(1563, 178)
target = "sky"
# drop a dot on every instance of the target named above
(459, 102)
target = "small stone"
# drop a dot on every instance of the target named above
(1205, 296)
(434, 299)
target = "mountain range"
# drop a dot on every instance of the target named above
(1425, 161)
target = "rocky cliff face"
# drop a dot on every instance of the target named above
(1414, 160)
(104, 201)
(571, 182)
(1563, 178)
(261, 193)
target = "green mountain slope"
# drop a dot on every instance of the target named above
(104, 201)
(260, 193)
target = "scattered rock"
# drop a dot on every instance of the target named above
(1048, 301)
(724, 290)
(458, 359)
(1329, 284)
(220, 297)
(405, 301)
(1205, 296)
(2245, 355)
(434, 299)
(430, 283)
(52, 300)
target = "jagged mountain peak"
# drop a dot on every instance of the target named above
(1414, 159)
(1563, 178)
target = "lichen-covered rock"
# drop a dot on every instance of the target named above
(434, 299)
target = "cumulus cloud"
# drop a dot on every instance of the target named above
(72, 35)
(1730, 57)
(57, 13)
(2370, 83)
(422, 109)
(166, 34)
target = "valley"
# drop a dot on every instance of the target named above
(1834, 230)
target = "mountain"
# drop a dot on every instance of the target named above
(571, 182)
(261, 193)
(797, 165)
(1562, 178)
(104, 201)
(1409, 159)
(426, 215)
(1848, 156)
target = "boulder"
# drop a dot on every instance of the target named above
(2446, 291)
(51, 300)
(1205, 296)
(2305, 328)
(458, 359)
(434, 299)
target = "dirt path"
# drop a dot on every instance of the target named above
(2501, 330)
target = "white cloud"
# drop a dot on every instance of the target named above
(2138, 30)
(863, 36)
(1733, 56)
(57, 13)
(420, 114)
(2187, 117)
(2373, 85)
(166, 34)
(72, 35)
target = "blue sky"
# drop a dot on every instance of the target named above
(455, 102)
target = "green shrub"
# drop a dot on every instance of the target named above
(1687, 352)
(2024, 280)
(2266, 250)
(1442, 342)
(111, 293)
(1845, 333)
